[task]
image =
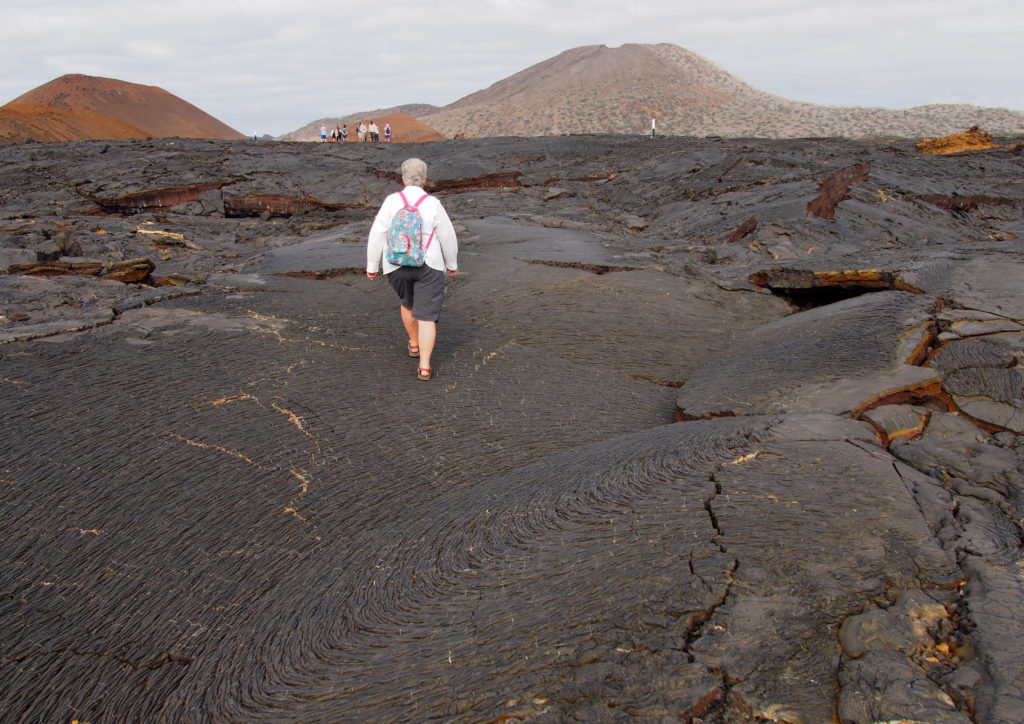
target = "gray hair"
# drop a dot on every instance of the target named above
(414, 172)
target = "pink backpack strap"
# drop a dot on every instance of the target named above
(405, 200)
(431, 238)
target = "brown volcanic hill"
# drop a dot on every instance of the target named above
(596, 89)
(153, 110)
(21, 122)
(404, 128)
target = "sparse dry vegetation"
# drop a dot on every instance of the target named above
(596, 89)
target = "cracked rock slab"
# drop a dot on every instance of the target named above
(788, 514)
(965, 458)
(839, 358)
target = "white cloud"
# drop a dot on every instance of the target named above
(255, 65)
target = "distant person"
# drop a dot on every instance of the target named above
(420, 289)
(361, 131)
(323, 133)
(344, 132)
(334, 135)
(387, 133)
(374, 132)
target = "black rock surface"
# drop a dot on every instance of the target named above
(719, 431)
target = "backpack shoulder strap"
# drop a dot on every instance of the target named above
(431, 237)
(405, 201)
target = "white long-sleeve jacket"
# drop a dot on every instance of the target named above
(443, 252)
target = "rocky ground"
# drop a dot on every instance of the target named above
(720, 431)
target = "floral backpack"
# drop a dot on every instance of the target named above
(405, 235)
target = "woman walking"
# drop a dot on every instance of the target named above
(420, 289)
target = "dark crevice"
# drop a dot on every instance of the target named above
(963, 205)
(141, 202)
(658, 380)
(486, 182)
(508, 179)
(694, 631)
(804, 299)
(579, 179)
(235, 205)
(805, 289)
(682, 416)
(278, 205)
(130, 271)
(717, 700)
(322, 274)
(709, 508)
(927, 347)
(584, 266)
(931, 396)
(882, 436)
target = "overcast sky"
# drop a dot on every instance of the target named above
(272, 66)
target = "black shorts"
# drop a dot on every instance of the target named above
(421, 289)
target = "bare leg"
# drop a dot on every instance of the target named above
(411, 328)
(427, 335)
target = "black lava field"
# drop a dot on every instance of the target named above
(720, 430)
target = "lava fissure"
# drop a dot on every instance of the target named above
(598, 269)
(835, 189)
(141, 202)
(805, 289)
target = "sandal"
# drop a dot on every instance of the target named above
(414, 350)
(424, 373)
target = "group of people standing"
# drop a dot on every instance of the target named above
(365, 133)
(372, 133)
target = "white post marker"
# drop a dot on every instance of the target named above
(652, 128)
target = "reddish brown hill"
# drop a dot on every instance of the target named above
(153, 110)
(23, 121)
